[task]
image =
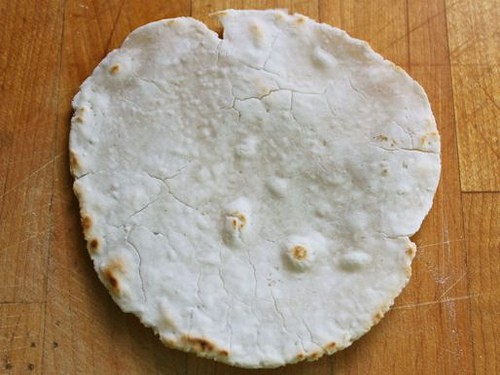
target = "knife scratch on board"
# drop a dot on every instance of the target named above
(452, 286)
(437, 302)
(25, 179)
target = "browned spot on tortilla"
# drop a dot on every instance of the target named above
(73, 162)
(203, 347)
(331, 346)
(300, 20)
(410, 251)
(300, 357)
(425, 139)
(256, 32)
(381, 137)
(113, 281)
(114, 69)
(315, 355)
(110, 275)
(385, 172)
(94, 245)
(279, 17)
(377, 317)
(86, 223)
(243, 219)
(238, 216)
(299, 252)
(428, 138)
(198, 344)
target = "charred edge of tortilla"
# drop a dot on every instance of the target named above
(203, 347)
(331, 347)
(317, 354)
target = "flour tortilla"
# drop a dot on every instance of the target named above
(251, 198)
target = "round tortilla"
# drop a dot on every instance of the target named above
(251, 198)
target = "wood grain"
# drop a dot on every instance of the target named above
(482, 229)
(475, 61)
(383, 24)
(21, 341)
(27, 153)
(57, 318)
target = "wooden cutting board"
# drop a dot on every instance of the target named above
(56, 317)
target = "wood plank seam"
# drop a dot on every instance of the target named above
(469, 288)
